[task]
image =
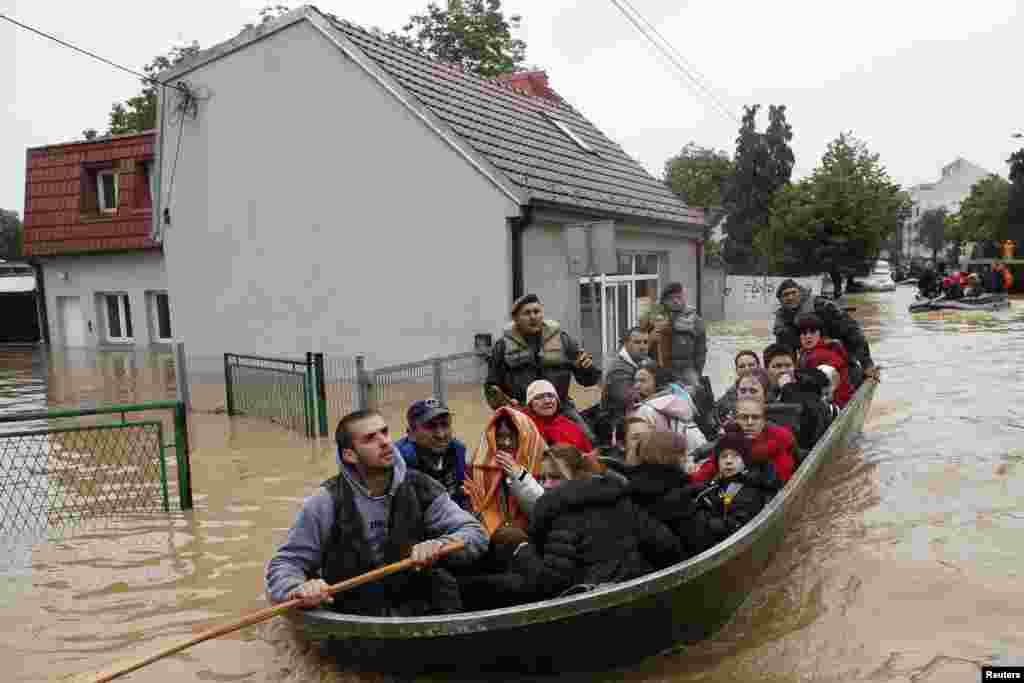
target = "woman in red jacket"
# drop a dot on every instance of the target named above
(815, 351)
(542, 407)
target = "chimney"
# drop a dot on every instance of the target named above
(533, 83)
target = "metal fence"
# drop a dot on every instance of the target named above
(310, 395)
(53, 473)
(283, 390)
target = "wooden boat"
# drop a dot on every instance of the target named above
(598, 630)
(985, 302)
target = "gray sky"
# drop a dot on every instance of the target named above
(922, 82)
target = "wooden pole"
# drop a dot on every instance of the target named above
(268, 613)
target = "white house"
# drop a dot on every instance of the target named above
(948, 192)
(335, 192)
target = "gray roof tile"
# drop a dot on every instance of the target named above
(510, 131)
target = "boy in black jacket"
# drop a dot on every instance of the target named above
(733, 498)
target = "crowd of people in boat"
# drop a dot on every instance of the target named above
(964, 285)
(554, 501)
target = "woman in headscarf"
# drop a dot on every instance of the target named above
(502, 483)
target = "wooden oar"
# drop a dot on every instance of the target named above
(268, 613)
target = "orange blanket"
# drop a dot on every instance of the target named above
(496, 507)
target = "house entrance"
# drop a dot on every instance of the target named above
(612, 303)
(72, 323)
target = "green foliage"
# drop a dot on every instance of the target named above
(763, 166)
(840, 217)
(138, 113)
(11, 235)
(699, 175)
(932, 230)
(1015, 201)
(474, 34)
(984, 215)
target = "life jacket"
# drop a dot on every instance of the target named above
(518, 351)
(1007, 278)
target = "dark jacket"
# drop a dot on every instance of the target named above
(348, 554)
(664, 492)
(837, 324)
(725, 407)
(456, 453)
(516, 362)
(814, 416)
(716, 517)
(618, 541)
(618, 381)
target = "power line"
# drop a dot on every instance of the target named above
(682, 67)
(701, 79)
(86, 52)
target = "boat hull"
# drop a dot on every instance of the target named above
(994, 302)
(599, 630)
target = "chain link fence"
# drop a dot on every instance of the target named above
(54, 474)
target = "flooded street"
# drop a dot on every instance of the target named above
(904, 567)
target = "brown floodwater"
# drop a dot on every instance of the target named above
(903, 567)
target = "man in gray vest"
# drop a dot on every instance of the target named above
(682, 346)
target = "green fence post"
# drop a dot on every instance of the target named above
(181, 451)
(321, 392)
(307, 382)
(227, 385)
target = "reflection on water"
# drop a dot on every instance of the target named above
(903, 567)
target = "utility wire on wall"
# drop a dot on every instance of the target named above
(674, 56)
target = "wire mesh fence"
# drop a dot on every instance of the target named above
(55, 477)
(54, 474)
(279, 389)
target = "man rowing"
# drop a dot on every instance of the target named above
(374, 512)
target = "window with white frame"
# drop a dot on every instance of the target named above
(119, 317)
(612, 303)
(160, 315)
(106, 191)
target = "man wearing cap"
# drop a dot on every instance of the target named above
(429, 447)
(533, 348)
(836, 323)
(684, 338)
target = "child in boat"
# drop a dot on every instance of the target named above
(737, 493)
(815, 351)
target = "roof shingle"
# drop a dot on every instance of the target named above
(509, 129)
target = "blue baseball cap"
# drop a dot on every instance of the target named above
(425, 411)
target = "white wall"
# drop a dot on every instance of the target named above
(546, 267)
(136, 273)
(311, 211)
(750, 297)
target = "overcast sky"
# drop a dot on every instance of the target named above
(922, 82)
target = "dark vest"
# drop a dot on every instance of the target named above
(348, 553)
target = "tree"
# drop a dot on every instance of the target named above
(699, 175)
(11, 235)
(138, 113)
(1015, 200)
(474, 34)
(763, 166)
(984, 215)
(836, 219)
(932, 230)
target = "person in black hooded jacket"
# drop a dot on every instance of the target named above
(806, 389)
(658, 484)
(733, 498)
(617, 539)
